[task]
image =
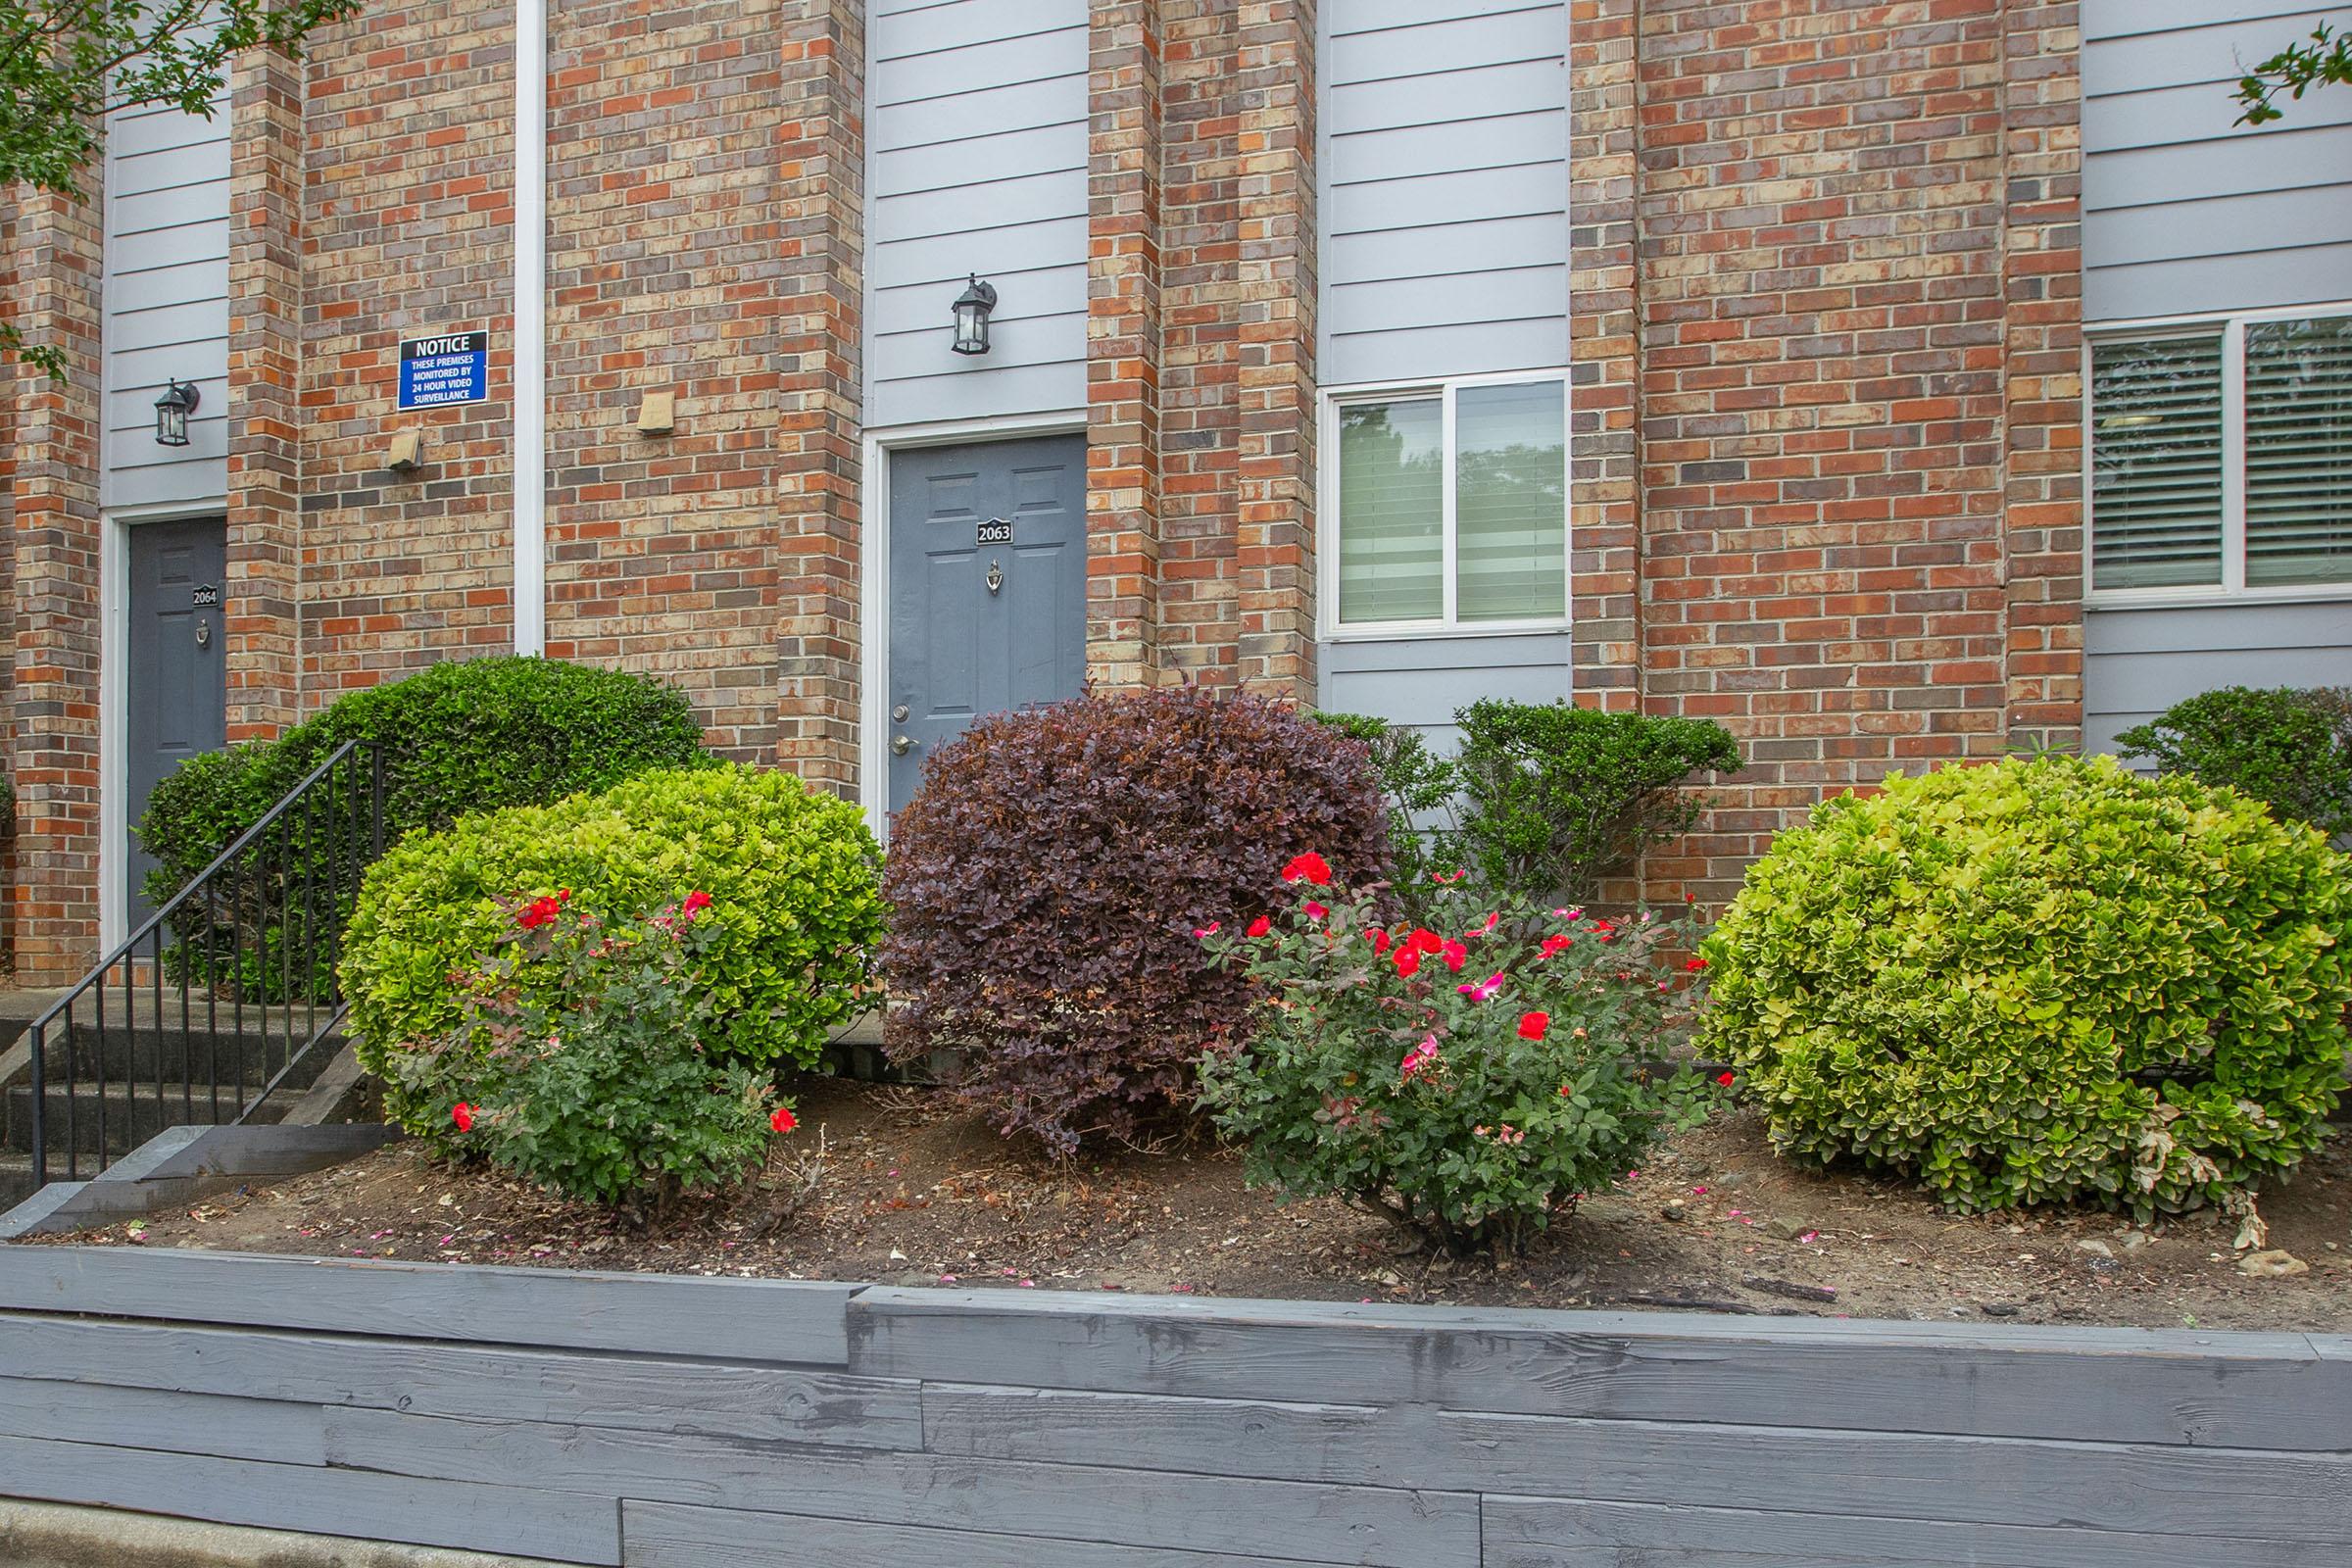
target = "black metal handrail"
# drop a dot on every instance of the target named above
(277, 898)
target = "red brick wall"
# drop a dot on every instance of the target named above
(1201, 333)
(665, 270)
(53, 512)
(407, 228)
(1857, 303)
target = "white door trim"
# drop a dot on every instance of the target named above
(113, 697)
(873, 591)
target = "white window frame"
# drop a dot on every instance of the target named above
(2231, 589)
(1329, 626)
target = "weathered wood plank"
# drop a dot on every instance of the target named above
(2152, 1489)
(2148, 1488)
(491, 1382)
(668, 1534)
(1529, 1532)
(143, 1418)
(733, 1319)
(1319, 1524)
(565, 1526)
(2094, 1385)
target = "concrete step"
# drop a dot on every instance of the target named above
(198, 1048)
(131, 1114)
(15, 1180)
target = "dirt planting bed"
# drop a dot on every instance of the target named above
(914, 1190)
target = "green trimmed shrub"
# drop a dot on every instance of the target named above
(1418, 787)
(1556, 797)
(2043, 980)
(792, 873)
(464, 735)
(1046, 878)
(2289, 747)
(1467, 1088)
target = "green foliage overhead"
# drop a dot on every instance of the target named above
(2322, 60)
(66, 65)
(2043, 980)
(2288, 748)
(792, 873)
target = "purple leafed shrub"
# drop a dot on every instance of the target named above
(1049, 880)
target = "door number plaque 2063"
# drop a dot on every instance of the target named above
(993, 532)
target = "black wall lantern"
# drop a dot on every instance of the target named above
(971, 315)
(171, 412)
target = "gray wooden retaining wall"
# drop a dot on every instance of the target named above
(672, 1421)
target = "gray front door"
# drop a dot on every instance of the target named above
(177, 685)
(987, 588)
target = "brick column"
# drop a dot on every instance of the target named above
(821, 166)
(54, 501)
(1274, 87)
(2041, 277)
(265, 418)
(1123, 345)
(1604, 512)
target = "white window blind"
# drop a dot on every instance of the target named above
(1510, 502)
(1452, 507)
(2156, 463)
(1391, 536)
(2300, 452)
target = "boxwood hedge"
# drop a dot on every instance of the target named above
(2043, 980)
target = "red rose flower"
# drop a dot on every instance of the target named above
(1204, 932)
(783, 1120)
(1421, 939)
(1408, 961)
(463, 1114)
(696, 902)
(1554, 944)
(1309, 868)
(1379, 938)
(1723, 1079)
(1454, 954)
(1696, 965)
(1314, 911)
(539, 912)
(1533, 1024)
(1261, 926)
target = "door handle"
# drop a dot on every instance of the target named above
(901, 745)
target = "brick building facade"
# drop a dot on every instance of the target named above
(1819, 278)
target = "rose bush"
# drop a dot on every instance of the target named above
(1466, 1082)
(609, 1086)
(783, 955)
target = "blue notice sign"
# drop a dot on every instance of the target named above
(453, 368)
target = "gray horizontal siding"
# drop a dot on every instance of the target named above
(1444, 188)
(167, 302)
(1420, 681)
(2138, 662)
(977, 137)
(2187, 212)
